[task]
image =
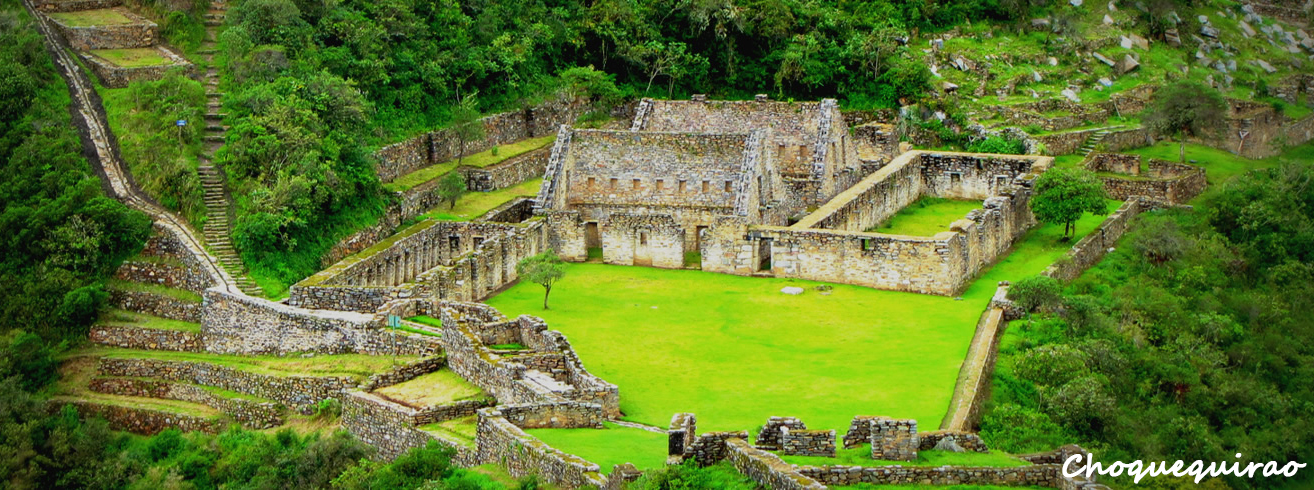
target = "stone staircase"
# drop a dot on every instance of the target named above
(1093, 141)
(218, 229)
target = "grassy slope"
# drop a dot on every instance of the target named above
(926, 217)
(88, 18)
(125, 318)
(175, 293)
(609, 447)
(133, 57)
(481, 159)
(356, 366)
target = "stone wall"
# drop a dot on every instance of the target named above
(142, 421)
(138, 32)
(251, 414)
(770, 435)
(680, 436)
(942, 264)
(1164, 181)
(390, 428)
(512, 171)
(500, 129)
(299, 392)
(164, 274)
(1068, 143)
(115, 76)
(238, 324)
(710, 448)
(807, 442)
(1091, 249)
(1035, 475)
(520, 379)
(966, 440)
(156, 305)
(768, 469)
(404, 373)
(166, 247)
(972, 388)
(74, 5)
(894, 439)
(876, 144)
(449, 260)
(146, 338)
(518, 210)
(500, 441)
(648, 240)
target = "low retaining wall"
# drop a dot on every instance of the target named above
(390, 427)
(1165, 181)
(1035, 475)
(1090, 250)
(301, 393)
(139, 32)
(115, 76)
(147, 338)
(500, 441)
(1068, 143)
(972, 388)
(141, 420)
(512, 171)
(404, 373)
(156, 305)
(74, 5)
(251, 414)
(767, 469)
(170, 275)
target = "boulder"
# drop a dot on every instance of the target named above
(1075, 3)
(1106, 82)
(1204, 19)
(1209, 31)
(1108, 21)
(950, 87)
(1140, 42)
(1126, 65)
(948, 444)
(1103, 59)
(1070, 95)
(1246, 29)
(1039, 23)
(791, 290)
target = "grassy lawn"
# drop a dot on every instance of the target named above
(926, 217)
(734, 350)
(475, 204)
(141, 287)
(356, 366)
(436, 388)
(609, 447)
(426, 320)
(1219, 165)
(861, 456)
(88, 18)
(133, 57)
(481, 159)
(124, 318)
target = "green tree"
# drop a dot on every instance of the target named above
(1064, 194)
(544, 269)
(1186, 108)
(465, 122)
(451, 188)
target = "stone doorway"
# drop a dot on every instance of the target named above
(764, 255)
(643, 248)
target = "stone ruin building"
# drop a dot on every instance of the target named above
(775, 188)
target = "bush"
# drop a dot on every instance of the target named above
(1035, 292)
(328, 409)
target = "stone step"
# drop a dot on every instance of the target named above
(214, 139)
(213, 23)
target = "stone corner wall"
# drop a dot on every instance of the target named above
(1088, 252)
(894, 439)
(115, 76)
(146, 338)
(768, 469)
(138, 32)
(807, 442)
(501, 441)
(391, 428)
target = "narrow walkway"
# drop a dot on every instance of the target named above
(218, 228)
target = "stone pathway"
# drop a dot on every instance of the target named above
(218, 204)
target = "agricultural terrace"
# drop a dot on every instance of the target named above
(734, 350)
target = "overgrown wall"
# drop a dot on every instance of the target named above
(299, 392)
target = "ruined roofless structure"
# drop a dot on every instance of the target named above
(686, 162)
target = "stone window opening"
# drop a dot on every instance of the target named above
(643, 238)
(611, 186)
(706, 185)
(728, 186)
(866, 244)
(956, 178)
(478, 241)
(636, 184)
(681, 189)
(661, 184)
(454, 242)
(591, 183)
(979, 165)
(1001, 180)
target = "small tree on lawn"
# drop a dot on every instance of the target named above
(465, 122)
(1186, 108)
(1064, 194)
(544, 269)
(451, 188)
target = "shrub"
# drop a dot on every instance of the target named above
(1035, 292)
(328, 409)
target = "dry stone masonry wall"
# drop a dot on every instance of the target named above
(299, 392)
(147, 338)
(251, 414)
(1169, 182)
(145, 421)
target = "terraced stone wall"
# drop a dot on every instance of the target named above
(140, 32)
(1035, 475)
(298, 392)
(147, 338)
(115, 76)
(1165, 181)
(164, 244)
(404, 373)
(142, 421)
(512, 171)
(390, 428)
(156, 305)
(74, 5)
(500, 129)
(164, 274)
(238, 324)
(501, 441)
(251, 414)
